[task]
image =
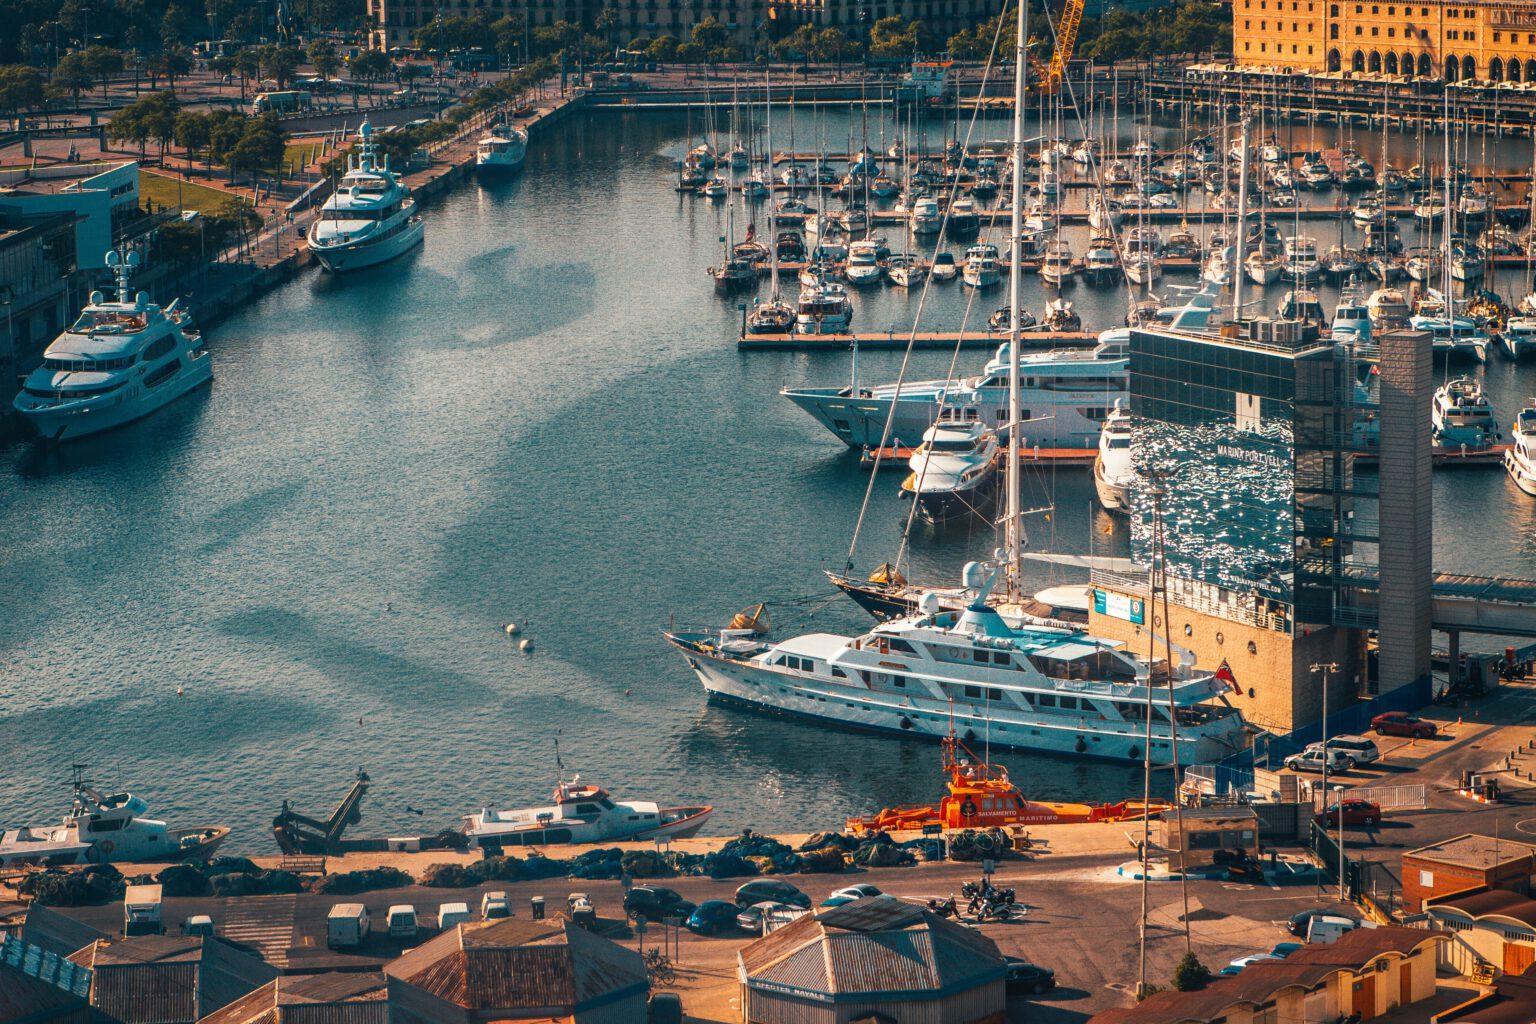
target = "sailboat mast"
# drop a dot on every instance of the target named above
(1242, 220)
(1014, 532)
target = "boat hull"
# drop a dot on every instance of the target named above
(859, 422)
(356, 256)
(1114, 497)
(132, 404)
(743, 685)
(688, 824)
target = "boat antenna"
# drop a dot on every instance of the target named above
(1013, 532)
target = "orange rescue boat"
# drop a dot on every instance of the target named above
(981, 796)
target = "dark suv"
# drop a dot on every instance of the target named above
(654, 903)
(765, 890)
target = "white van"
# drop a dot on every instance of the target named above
(346, 925)
(402, 921)
(495, 905)
(1326, 928)
(1360, 749)
(450, 915)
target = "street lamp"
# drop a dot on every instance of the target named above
(1327, 668)
(1338, 794)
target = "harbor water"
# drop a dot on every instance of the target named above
(540, 417)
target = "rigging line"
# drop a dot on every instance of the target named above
(906, 357)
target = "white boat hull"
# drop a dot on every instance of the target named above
(130, 403)
(357, 255)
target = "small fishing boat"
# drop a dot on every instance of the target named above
(581, 813)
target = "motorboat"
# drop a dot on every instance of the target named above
(1105, 214)
(1061, 317)
(733, 274)
(863, 266)
(790, 247)
(1316, 175)
(502, 148)
(770, 316)
(1026, 686)
(823, 308)
(944, 267)
(953, 471)
(118, 361)
(581, 813)
(982, 268)
(1519, 336)
(926, 217)
(854, 219)
(753, 187)
(1114, 473)
(1068, 393)
(1101, 263)
(715, 188)
(1473, 203)
(1301, 304)
(1057, 267)
(1520, 458)
(905, 270)
(1351, 320)
(1388, 309)
(105, 828)
(792, 210)
(963, 220)
(1301, 262)
(1462, 415)
(1453, 335)
(370, 218)
(1428, 207)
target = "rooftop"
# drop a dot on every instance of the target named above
(348, 998)
(1489, 903)
(1472, 851)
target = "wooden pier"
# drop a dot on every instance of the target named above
(898, 339)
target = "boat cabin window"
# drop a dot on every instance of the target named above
(98, 365)
(586, 808)
(1097, 665)
(900, 682)
(973, 691)
(798, 663)
(1047, 700)
(897, 644)
(1119, 442)
(838, 673)
(159, 348)
(107, 824)
(994, 694)
(1069, 703)
(99, 322)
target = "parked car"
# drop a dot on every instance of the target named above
(1401, 723)
(713, 917)
(852, 892)
(1024, 976)
(1285, 949)
(1236, 966)
(656, 903)
(771, 889)
(1362, 748)
(1302, 921)
(494, 905)
(664, 1008)
(1313, 758)
(751, 919)
(1356, 812)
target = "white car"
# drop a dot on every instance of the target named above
(495, 905)
(857, 892)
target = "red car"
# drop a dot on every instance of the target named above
(1356, 812)
(1401, 723)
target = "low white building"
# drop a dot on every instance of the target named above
(98, 195)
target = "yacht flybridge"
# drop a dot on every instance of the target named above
(103, 828)
(370, 218)
(1027, 687)
(582, 813)
(117, 362)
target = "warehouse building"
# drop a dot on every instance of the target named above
(1465, 863)
(167, 979)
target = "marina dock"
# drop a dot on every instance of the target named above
(898, 339)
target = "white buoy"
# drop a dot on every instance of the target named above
(526, 646)
(513, 629)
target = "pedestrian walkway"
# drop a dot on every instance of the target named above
(265, 923)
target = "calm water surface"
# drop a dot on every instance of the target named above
(540, 417)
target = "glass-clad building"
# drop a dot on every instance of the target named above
(1238, 423)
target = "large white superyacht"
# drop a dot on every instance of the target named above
(117, 362)
(1028, 687)
(370, 218)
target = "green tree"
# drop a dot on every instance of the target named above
(454, 33)
(280, 63)
(894, 38)
(129, 125)
(72, 76)
(159, 111)
(193, 131)
(172, 62)
(507, 34)
(225, 127)
(260, 148)
(663, 49)
(323, 57)
(21, 87)
(1190, 974)
(710, 35)
(372, 65)
(103, 62)
(552, 39)
(690, 53)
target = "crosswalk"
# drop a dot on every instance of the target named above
(264, 923)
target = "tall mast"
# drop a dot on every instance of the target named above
(773, 245)
(1238, 269)
(1014, 532)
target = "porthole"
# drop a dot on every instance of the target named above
(1220, 639)
(1253, 648)
(1189, 630)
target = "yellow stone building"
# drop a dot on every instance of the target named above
(1491, 41)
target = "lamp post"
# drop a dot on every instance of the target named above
(1327, 668)
(1338, 795)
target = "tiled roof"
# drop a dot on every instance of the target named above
(1494, 902)
(516, 963)
(1307, 968)
(332, 998)
(873, 947)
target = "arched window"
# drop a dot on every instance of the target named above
(1389, 63)
(1373, 63)
(1496, 70)
(1530, 70)
(1333, 31)
(1426, 66)
(1513, 71)
(1452, 69)
(1334, 60)
(1357, 62)
(1333, 10)
(1407, 64)
(1468, 67)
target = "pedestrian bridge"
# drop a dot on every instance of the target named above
(1496, 605)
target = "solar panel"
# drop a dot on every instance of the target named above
(36, 962)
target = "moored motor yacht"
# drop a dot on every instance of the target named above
(863, 266)
(1518, 336)
(953, 470)
(1057, 267)
(926, 217)
(1462, 415)
(944, 267)
(502, 148)
(117, 362)
(1520, 459)
(371, 216)
(105, 828)
(581, 813)
(982, 268)
(1113, 472)
(823, 308)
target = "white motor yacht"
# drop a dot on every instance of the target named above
(369, 219)
(1113, 472)
(581, 813)
(1301, 262)
(117, 362)
(944, 267)
(823, 308)
(1462, 415)
(502, 148)
(1520, 459)
(1028, 687)
(1057, 267)
(1388, 309)
(1519, 336)
(1453, 335)
(1101, 263)
(982, 267)
(863, 266)
(953, 470)
(105, 828)
(926, 217)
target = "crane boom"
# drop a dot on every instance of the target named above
(1050, 75)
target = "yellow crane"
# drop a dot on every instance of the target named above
(1050, 75)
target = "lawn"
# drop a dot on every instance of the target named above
(166, 192)
(299, 155)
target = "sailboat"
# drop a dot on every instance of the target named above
(771, 315)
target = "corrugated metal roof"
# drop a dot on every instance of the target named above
(1493, 903)
(370, 1012)
(56, 932)
(896, 961)
(163, 993)
(872, 915)
(335, 986)
(22, 996)
(333, 998)
(256, 1007)
(149, 949)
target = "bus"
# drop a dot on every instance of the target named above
(281, 102)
